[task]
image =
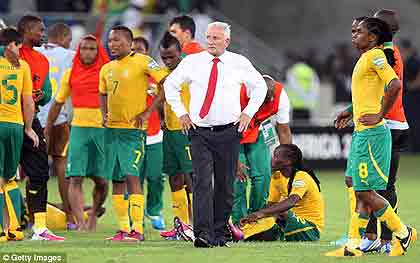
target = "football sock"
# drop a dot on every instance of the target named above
(1, 209)
(120, 206)
(13, 203)
(40, 221)
(392, 221)
(180, 205)
(137, 211)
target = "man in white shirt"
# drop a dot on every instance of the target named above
(214, 122)
(255, 156)
(60, 59)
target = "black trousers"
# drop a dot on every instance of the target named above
(34, 162)
(215, 155)
(399, 144)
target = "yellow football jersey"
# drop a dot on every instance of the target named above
(126, 82)
(171, 120)
(311, 204)
(14, 82)
(82, 117)
(371, 75)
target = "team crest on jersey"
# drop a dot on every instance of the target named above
(153, 65)
(298, 184)
(379, 62)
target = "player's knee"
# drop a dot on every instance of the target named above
(101, 185)
(349, 181)
(76, 181)
(37, 183)
(176, 182)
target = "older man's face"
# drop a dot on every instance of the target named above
(217, 42)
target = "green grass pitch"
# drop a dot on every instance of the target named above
(88, 247)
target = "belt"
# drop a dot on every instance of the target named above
(217, 128)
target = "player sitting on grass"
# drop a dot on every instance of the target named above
(295, 211)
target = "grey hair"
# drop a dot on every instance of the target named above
(221, 25)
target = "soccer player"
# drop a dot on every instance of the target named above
(176, 147)
(183, 28)
(86, 151)
(34, 161)
(124, 111)
(16, 116)
(396, 121)
(295, 211)
(60, 58)
(370, 151)
(152, 169)
(254, 152)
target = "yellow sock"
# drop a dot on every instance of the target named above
(258, 227)
(354, 226)
(354, 223)
(180, 205)
(121, 210)
(137, 211)
(40, 220)
(392, 221)
(352, 200)
(13, 204)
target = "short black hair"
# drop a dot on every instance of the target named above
(127, 32)
(9, 35)
(169, 40)
(25, 21)
(185, 22)
(360, 18)
(58, 30)
(142, 40)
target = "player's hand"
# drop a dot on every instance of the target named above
(141, 118)
(38, 95)
(12, 57)
(32, 135)
(371, 119)
(186, 123)
(240, 172)
(343, 119)
(243, 121)
(252, 218)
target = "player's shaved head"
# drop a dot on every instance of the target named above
(390, 17)
(128, 34)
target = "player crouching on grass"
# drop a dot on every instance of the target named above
(295, 211)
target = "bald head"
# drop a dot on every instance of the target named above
(390, 17)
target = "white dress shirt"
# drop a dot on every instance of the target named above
(233, 70)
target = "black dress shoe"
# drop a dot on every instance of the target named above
(202, 243)
(223, 243)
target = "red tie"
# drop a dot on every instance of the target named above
(210, 90)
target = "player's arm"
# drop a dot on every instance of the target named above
(60, 99)
(103, 96)
(44, 97)
(12, 57)
(140, 118)
(274, 210)
(28, 105)
(282, 119)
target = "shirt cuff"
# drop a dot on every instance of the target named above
(180, 112)
(250, 110)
